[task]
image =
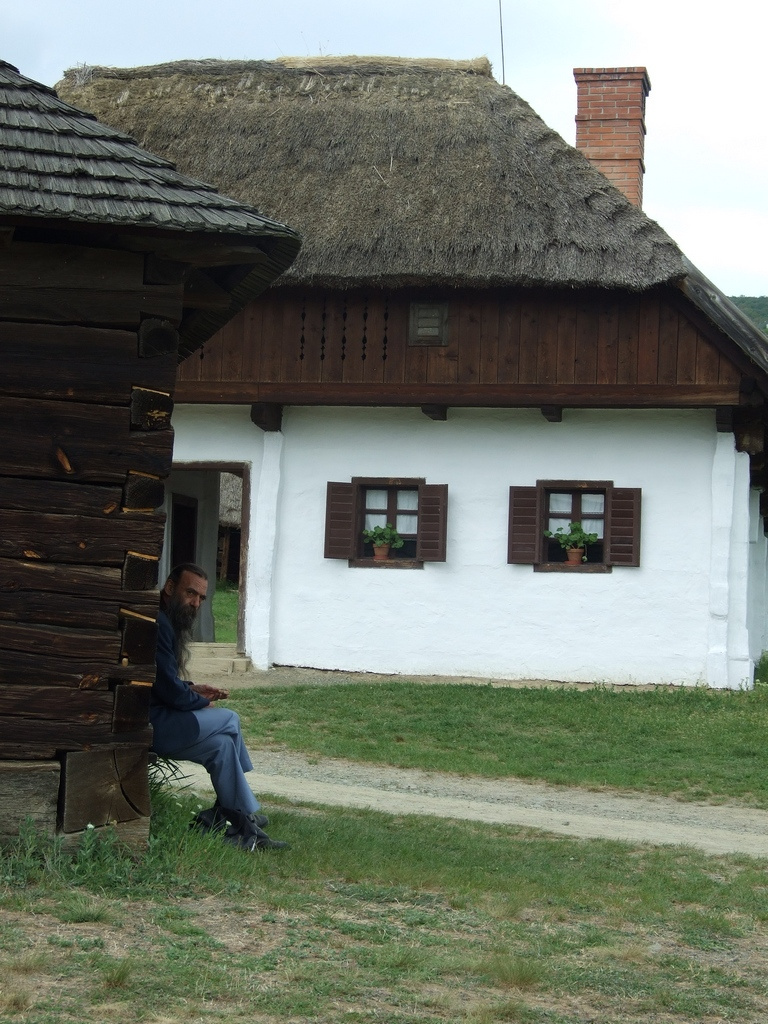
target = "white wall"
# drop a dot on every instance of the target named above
(474, 614)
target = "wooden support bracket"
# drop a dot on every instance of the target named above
(435, 412)
(267, 415)
(553, 413)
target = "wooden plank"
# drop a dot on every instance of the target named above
(669, 321)
(529, 342)
(140, 571)
(586, 345)
(509, 341)
(74, 611)
(335, 337)
(489, 339)
(69, 642)
(134, 835)
(707, 361)
(78, 363)
(312, 332)
(30, 264)
(58, 496)
(69, 735)
(57, 704)
(102, 786)
(290, 343)
(142, 492)
(99, 583)
(250, 324)
(29, 791)
(131, 709)
(648, 340)
(395, 352)
(88, 306)
(77, 441)
(507, 396)
(373, 368)
(356, 308)
(608, 343)
(629, 317)
(466, 342)
(45, 669)
(566, 342)
(272, 330)
(139, 637)
(77, 538)
(547, 354)
(686, 352)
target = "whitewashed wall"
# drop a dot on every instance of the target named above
(682, 617)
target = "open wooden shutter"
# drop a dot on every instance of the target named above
(623, 546)
(433, 508)
(524, 540)
(340, 520)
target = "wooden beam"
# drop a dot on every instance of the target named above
(724, 419)
(267, 415)
(435, 412)
(553, 413)
(503, 396)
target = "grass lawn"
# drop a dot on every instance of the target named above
(691, 743)
(225, 603)
(403, 920)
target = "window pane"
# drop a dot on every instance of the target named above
(555, 524)
(560, 503)
(407, 500)
(375, 519)
(406, 524)
(594, 503)
(593, 526)
(376, 499)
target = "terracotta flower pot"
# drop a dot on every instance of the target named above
(380, 551)
(574, 555)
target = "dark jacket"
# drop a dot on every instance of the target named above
(173, 699)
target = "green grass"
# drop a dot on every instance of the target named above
(692, 743)
(378, 918)
(225, 605)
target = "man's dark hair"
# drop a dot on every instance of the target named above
(178, 570)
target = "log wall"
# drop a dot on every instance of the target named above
(85, 443)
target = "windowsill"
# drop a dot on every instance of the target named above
(385, 563)
(588, 567)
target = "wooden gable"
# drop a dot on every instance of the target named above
(505, 348)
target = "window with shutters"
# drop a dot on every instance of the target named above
(612, 513)
(416, 509)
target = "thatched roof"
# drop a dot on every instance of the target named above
(397, 172)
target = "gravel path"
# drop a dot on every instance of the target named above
(559, 810)
(555, 809)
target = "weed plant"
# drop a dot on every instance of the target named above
(374, 917)
(692, 743)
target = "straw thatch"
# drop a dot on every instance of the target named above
(396, 172)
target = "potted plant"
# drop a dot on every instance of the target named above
(383, 538)
(573, 541)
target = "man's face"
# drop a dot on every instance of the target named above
(184, 598)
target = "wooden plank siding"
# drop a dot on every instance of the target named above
(504, 349)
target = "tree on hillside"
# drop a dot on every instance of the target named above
(756, 308)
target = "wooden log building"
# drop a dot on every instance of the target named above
(112, 267)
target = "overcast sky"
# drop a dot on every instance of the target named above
(707, 114)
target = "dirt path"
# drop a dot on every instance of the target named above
(555, 809)
(559, 810)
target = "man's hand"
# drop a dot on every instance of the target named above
(209, 692)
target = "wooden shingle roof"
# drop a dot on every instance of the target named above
(58, 162)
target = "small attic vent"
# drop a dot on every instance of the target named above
(428, 323)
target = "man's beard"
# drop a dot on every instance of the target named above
(182, 618)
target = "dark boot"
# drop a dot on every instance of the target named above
(245, 834)
(213, 819)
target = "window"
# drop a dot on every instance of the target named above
(428, 323)
(613, 513)
(416, 509)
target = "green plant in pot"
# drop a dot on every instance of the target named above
(383, 538)
(573, 541)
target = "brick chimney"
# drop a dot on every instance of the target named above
(610, 124)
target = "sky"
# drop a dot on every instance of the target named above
(706, 117)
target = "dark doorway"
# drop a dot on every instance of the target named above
(183, 529)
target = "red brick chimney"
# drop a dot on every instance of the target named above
(610, 124)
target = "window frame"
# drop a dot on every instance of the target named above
(345, 515)
(529, 517)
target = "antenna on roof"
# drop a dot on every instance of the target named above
(501, 34)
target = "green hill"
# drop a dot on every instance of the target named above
(756, 308)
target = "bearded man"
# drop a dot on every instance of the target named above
(187, 726)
